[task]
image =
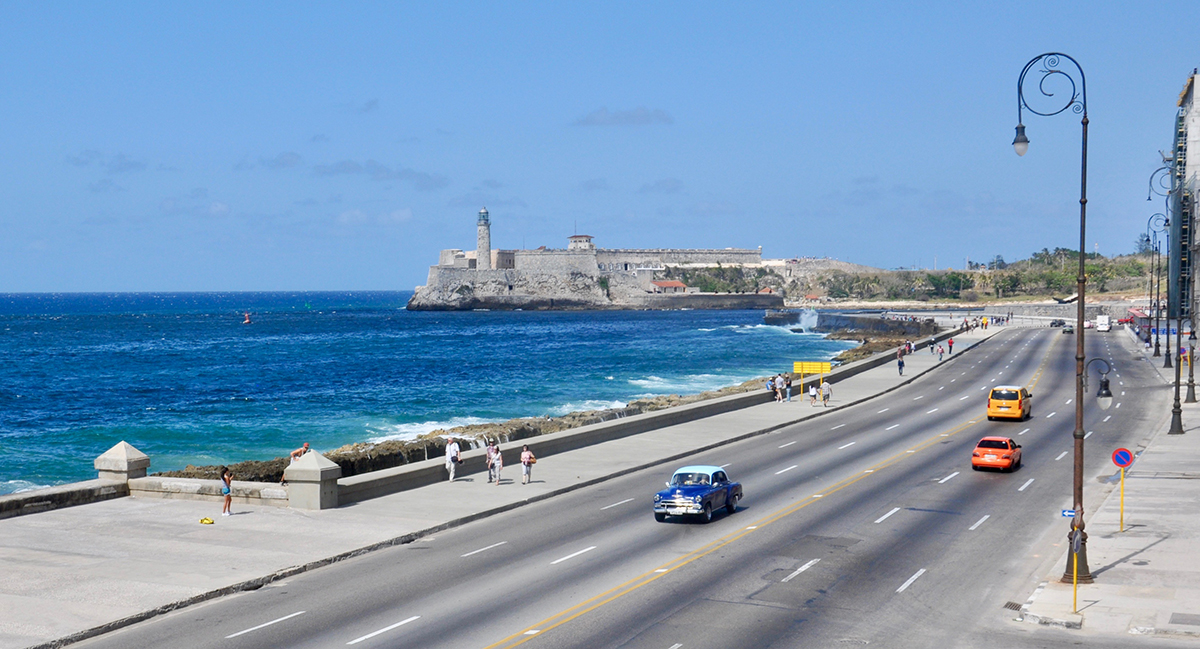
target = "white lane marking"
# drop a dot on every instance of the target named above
(953, 380)
(1051, 414)
(920, 397)
(963, 374)
(798, 571)
(846, 446)
(883, 411)
(662, 570)
(264, 625)
(787, 469)
(1069, 401)
(983, 387)
(615, 504)
(496, 545)
(892, 426)
(1089, 434)
(725, 465)
(383, 630)
(979, 522)
(1001, 372)
(1060, 456)
(1106, 418)
(884, 517)
(752, 527)
(1122, 393)
(910, 451)
(869, 471)
(930, 412)
(818, 495)
(837, 427)
(1120, 383)
(1118, 405)
(910, 580)
(943, 480)
(945, 434)
(965, 396)
(675, 646)
(789, 443)
(573, 555)
(533, 632)
(942, 388)
(1027, 483)
(1023, 432)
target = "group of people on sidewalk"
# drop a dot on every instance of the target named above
(781, 385)
(934, 348)
(495, 460)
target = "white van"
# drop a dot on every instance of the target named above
(1103, 323)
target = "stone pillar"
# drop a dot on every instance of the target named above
(312, 482)
(483, 251)
(122, 462)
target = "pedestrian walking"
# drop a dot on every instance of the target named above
(932, 344)
(452, 457)
(527, 462)
(941, 352)
(900, 360)
(812, 394)
(226, 489)
(950, 344)
(787, 386)
(491, 452)
(497, 462)
(826, 392)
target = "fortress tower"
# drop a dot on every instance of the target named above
(483, 256)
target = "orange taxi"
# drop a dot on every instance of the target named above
(1009, 402)
(996, 453)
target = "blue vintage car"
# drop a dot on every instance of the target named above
(697, 491)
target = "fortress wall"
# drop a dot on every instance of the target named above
(671, 256)
(556, 262)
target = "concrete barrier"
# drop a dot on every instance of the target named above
(244, 493)
(67, 495)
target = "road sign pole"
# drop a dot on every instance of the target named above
(1075, 583)
(1122, 499)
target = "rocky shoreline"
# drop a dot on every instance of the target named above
(361, 457)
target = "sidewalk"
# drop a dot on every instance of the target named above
(1147, 577)
(71, 573)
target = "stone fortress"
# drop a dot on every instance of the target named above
(580, 276)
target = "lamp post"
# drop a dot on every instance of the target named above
(1161, 182)
(1152, 224)
(1076, 100)
(1191, 391)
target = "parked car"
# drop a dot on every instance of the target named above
(697, 491)
(1009, 402)
(996, 453)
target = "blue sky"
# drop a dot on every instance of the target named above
(306, 146)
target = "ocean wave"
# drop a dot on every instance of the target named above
(590, 404)
(18, 486)
(687, 384)
(405, 432)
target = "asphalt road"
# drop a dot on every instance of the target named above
(866, 526)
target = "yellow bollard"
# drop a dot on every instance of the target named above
(1075, 584)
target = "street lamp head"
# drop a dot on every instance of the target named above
(1104, 397)
(1020, 143)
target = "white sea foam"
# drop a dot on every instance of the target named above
(405, 432)
(18, 486)
(687, 384)
(590, 404)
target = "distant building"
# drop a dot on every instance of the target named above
(1182, 201)
(669, 286)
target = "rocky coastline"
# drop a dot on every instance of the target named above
(361, 457)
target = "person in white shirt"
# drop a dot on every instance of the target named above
(451, 457)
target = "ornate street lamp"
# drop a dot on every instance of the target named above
(1156, 221)
(1052, 75)
(1191, 391)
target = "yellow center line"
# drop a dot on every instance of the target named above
(595, 602)
(1037, 376)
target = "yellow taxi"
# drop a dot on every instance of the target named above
(1009, 402)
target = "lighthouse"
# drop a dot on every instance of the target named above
(483, 255)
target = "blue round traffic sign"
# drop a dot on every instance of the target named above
(1122, 457)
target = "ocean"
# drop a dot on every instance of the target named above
(180, 377)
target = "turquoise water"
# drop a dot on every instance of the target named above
(180, 376)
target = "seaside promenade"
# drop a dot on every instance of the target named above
(71, 572)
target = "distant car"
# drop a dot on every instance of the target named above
(1009, 402)
(697, 491)
(1058, 323)
(1068, 329)
(996, 453)
(1125, 321)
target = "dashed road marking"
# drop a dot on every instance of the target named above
(947, 478)
(910, 581)
(787, 469)
(573, 555)
(615, 504)
(892, 426)
(884, 517)
(1051, 414)
(979, 522)
(384, 630)
(264, 625)
(846, 446)
(1060, 456)
(930, 412)
(1023, 432)
(1027, 483)
(1106, 418)
(496, 545)
(789, 443)
(799, 570)
(837, 427)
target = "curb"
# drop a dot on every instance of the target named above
(259, 582)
